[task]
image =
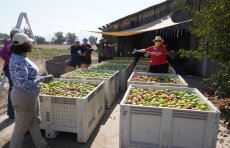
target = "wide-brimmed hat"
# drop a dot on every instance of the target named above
(21, 38)
(158, 38)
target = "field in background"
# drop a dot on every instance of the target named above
(48, 53)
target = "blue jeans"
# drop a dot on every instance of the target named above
(10, 109)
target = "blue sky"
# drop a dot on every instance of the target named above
(49, 16)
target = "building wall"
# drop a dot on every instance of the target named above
(143, 40)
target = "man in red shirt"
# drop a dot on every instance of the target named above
(157, 53)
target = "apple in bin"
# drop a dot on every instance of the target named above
(109, 66)
(67, 88)
(165, 98)
(90, 74)
(160, 79)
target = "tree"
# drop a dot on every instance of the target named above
(211, 24)
(3, 37)
(59, 38)
(40, 40)
(92, 40)
(70, 38)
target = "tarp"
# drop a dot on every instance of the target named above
(163, 22)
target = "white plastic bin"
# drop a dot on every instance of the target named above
(74, 115)
(111, 88)
(183, 83)
(145, 68)
(123, 74)
(160, 127)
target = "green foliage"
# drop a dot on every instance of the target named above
(48, 53)
(220, 82)
(59, 38)
(211, 24)
(70, 38)
(40, 40)
(3, 37)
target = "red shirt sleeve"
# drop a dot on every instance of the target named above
(149, 49)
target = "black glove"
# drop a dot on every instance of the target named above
(48, 78)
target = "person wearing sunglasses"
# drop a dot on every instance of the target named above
(157, 54)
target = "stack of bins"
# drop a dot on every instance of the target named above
(73, 114)
(127, 58)
(128, 62)
(123, 72)
(111, 87)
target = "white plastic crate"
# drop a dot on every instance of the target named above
(74, 115)
(123, 75)
(128, 62)
(160, 127)
(145, 68)
(183, 83)
(111, 88)
(132, 59)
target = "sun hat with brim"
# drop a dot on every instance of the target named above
(21, 38)
(158, 38)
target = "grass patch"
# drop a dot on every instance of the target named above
(48, 53)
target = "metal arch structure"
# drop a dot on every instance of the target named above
(22, 16)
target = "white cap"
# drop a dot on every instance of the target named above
(158, 38)
(21, 38)
(14, 31)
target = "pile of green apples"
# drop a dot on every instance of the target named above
(142, 68)
(67, 88)
(109, 66)
(91, 74)
(160, 79)
(165, 98)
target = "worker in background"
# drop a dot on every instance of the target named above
(77, 52)
(108, 50)
(101, 55)
(157, 53)
(25, 92)
(5, 55)
(87, 55)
